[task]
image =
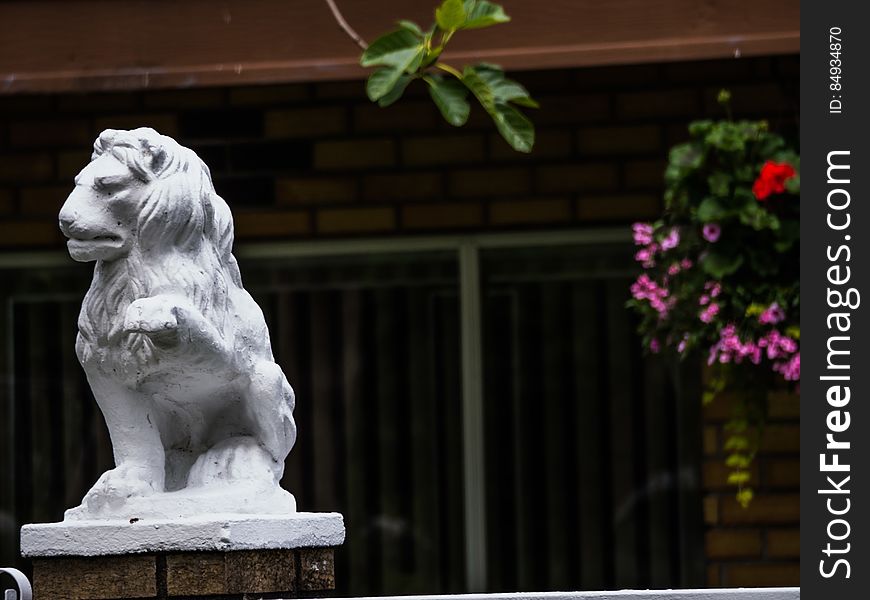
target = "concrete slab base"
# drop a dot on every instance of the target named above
(193, 534)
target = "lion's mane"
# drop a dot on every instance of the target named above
(182, 240)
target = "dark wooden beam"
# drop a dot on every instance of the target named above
(91, 45)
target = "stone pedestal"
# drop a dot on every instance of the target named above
(228, 558)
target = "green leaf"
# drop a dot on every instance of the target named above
(450, 16)
(727, 137)
(504, 89)
(514, 127)
(738, 478)
(397, 91)
(769, 145)
(736, 443)
(410, 26)
(793, 184)
(483, 14)
(789, 233)
(700, 128)
(710, 210)
(450, 98)
(479, 87)
(720, 183)
(720, 265)
(686, 157)
(382, 82)
(737, 461)
(764, 262)
(736, 424)
(757, 217)
(745, 173)
(416, 61)
(526, 101)
(395, 49)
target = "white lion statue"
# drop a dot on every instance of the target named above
(177, 353)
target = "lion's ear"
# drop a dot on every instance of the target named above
(158, 157)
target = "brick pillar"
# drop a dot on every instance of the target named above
(234, 557)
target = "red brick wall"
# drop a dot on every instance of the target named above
(759, 545)
(319, 160)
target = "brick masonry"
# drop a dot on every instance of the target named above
(758, 545)
(307, 572)
(317, 160)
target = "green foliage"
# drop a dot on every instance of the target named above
(721, 271)
(718, 264)
(410, 53)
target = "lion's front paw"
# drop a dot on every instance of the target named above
(116, 485)
(158, 314)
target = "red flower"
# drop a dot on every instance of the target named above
(772, 179)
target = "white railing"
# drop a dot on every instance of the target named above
(788, 593)
(783, 593)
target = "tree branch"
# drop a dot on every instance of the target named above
(344, 25)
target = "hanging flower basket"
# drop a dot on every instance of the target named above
(721, 271)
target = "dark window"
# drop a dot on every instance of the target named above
(590, 449)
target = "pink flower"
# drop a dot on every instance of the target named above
(657, 296)
(686, 263)
(787, 344)
(772, 315)
(646, 256)
(709, 313)
(655, 346)
(642, 233)
(674, 269)
(790, 369)
(683, 343)
(711, 232)
(704, 300)
(730, 348)
(714, 288)
(671, 240)
(778, 345)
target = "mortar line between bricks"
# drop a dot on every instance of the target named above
(162, 591)
(297, 567)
